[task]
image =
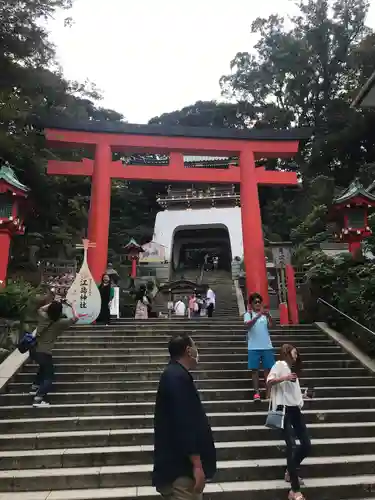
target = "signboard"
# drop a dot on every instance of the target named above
(84, 293)
(115, 303)
(281, 256)
(153, 252)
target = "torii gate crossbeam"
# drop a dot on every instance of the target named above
(248, 145)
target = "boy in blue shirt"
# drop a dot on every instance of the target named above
(259, 345)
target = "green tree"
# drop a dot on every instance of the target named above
(305, 72)
(32, 89)
(306, 75)
(206, 114)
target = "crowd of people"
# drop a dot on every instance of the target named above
(184, 451)
(193, 306)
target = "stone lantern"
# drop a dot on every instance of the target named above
(12, 196)
(132, 251)
(349, 212)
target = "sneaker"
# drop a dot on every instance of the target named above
(33, 390)
(40, 404)
(256, 397)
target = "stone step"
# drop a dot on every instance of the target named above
(38, 423)
(152, 376)
(201, 322)
(327, 488)
(164, 337)
(105, 348)
(178, 323)
(134, 455)
(140, 475)
(213, 343)
(132, 321)
(149, 396)
(149, 346)
(132, 362)
(77, 384)
(141, 368)
(157, 362)
(334, 354)
(202, 330)
(107, 437)
(129, 408)
(216, 348)
(225, 360)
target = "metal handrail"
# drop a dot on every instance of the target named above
(345, 315)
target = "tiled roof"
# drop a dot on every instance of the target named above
(117, 127)
(7, 174)
(355, 189)
(133, 244)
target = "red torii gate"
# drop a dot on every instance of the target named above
(108, 137)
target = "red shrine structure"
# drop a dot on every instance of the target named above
(107, 138)
(12, 195)
(349, 211)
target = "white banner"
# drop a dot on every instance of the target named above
(153, 252)
(115, 303)
(85, 296)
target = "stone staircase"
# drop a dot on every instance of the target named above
(226, 301)
(95, 441)
(187, 274)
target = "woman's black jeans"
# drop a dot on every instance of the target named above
(45, 374)
(295, 427)
(210, 310)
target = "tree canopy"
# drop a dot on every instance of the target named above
(33, 86)
(303, 71)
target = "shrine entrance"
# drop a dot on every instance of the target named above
(105, 139)
(192, 245)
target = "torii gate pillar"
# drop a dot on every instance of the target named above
(252, 232)
(99, 214)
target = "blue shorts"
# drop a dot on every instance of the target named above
(256, 355)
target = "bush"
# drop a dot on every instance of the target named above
(18, 304)
(349, 285)
(18, 300)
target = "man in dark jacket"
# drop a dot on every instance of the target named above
(184, 452)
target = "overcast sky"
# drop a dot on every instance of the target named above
(154, 56)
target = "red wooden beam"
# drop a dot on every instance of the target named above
(160, 144)
(276, 178)
(168, 173)
(175, 172)
(57, 167)
(172, 174)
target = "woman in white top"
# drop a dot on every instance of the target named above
(286, 393)
(141, 310)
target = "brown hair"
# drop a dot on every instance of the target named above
(286, 355)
